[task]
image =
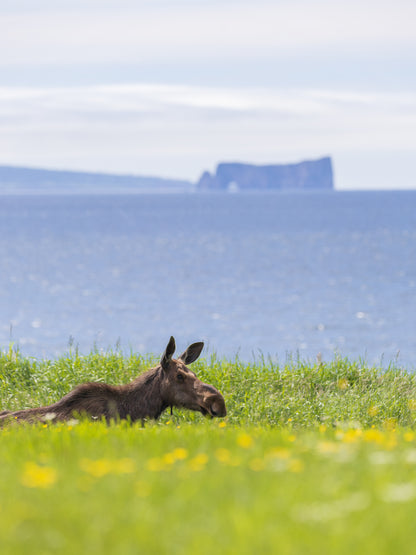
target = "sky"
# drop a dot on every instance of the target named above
(172, 87)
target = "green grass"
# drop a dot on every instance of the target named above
(312, 458)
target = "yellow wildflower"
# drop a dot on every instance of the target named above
(223, 455)
(201, 458)
(198, 462)
(374, 436)
(36, 476)
(97, 468)
(180, 453)
(343, 384)
(350, 436)
(168, 459)
(245, 441)
(100, 467)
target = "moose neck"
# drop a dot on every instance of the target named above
(144, 395)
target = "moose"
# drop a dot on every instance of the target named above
(169, 384)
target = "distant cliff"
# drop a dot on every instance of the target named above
(309, 175)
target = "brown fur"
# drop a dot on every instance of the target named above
(170, 384)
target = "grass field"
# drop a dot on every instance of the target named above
(312, 458)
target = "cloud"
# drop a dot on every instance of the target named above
(142, 32)
(143, 97)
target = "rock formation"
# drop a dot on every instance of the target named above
(308, 175)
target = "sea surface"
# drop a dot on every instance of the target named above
(282, 275)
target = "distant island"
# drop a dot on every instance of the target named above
(231, 177)
(314, 174)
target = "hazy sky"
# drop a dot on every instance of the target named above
(172, 87)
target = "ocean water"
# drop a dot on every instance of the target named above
(285, 275)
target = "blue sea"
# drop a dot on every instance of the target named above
(283, 275)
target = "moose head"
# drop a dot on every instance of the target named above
(181, 388)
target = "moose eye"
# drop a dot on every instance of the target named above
(180, 377)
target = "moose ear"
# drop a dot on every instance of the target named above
(167, 355)
(192, 353)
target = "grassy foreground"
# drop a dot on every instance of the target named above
(312, 458)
